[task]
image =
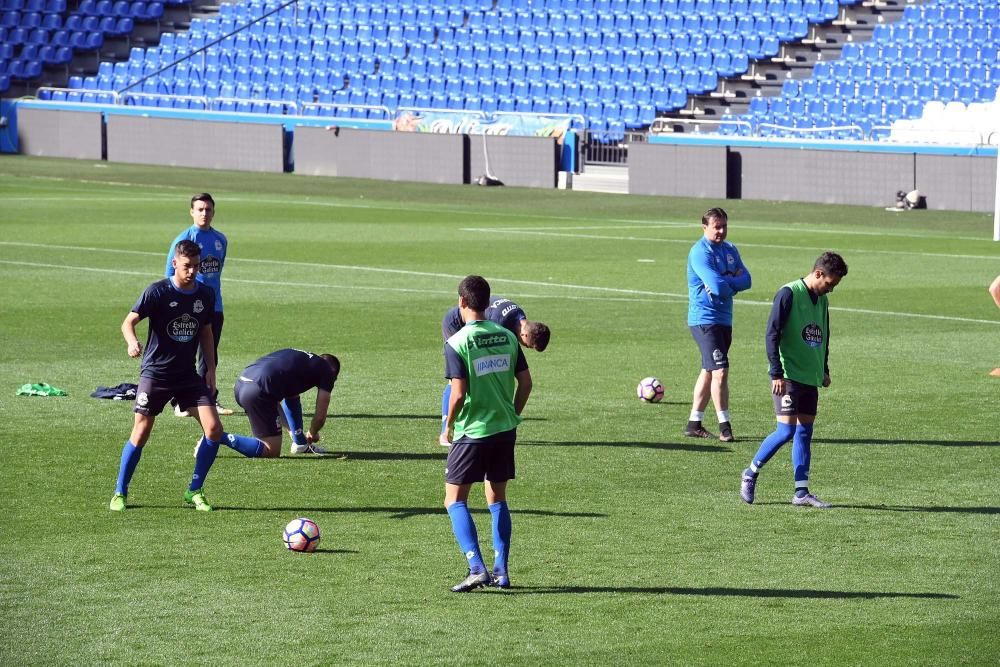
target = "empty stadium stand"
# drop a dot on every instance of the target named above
(827, 69)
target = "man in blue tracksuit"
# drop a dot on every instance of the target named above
(715, 273)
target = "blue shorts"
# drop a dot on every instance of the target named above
(472, 460)
(262, 410)
(798, 399)
(151, 395)
(713, 340)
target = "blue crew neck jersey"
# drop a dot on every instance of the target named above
(213, 246)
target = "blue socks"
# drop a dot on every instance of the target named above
(248, 447)
(801, 455)
(203, 463)
(465, 532)
(468, 539)
(292, 408)
(444, 405)
(772, 443)
(501, 535)
(129, 460)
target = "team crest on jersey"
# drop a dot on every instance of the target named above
(730, 260)
(812, 335)
(218, 245)
(198, 306)
(183, 329)
(142, 400)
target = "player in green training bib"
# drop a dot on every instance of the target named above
(490, 384)
(798, 350)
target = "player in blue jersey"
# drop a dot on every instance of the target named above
(715, 272)
(269, 390)
(179, 310)
(213, 246)
(798, 354)
(490, 384)
(510, 316)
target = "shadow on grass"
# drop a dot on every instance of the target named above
(339, 455)
(931, 508)
(905, 441)
(369, 415)
(672, 446)
(711, 591)
(666, 403)
(399, 512)
(943, 509)
(335, 551)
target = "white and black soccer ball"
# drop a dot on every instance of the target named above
(650, 390)
(301, 535)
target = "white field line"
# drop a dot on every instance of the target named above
(802, 227)
(95, 198)
(650, 239)
(632, 295)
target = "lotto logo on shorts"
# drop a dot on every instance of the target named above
(496, 363)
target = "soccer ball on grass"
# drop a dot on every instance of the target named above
(301, 535)
(650, 390)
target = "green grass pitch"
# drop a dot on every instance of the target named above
(630, 544)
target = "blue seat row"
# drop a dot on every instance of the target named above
(627, 59)
(46, 6)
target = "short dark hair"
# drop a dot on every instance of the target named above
(334, 364)
(203, 196)
(830, 263)
(476, 292)
(713, 213)
(538, 334)
(187, 248)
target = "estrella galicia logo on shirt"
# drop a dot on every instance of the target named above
(210, 265)
(495, 363)
(812, 335)
(489, 340)
(183, 329)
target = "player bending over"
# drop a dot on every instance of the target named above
(269, 389)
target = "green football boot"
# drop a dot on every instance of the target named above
(117, 503)
(197, 498)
